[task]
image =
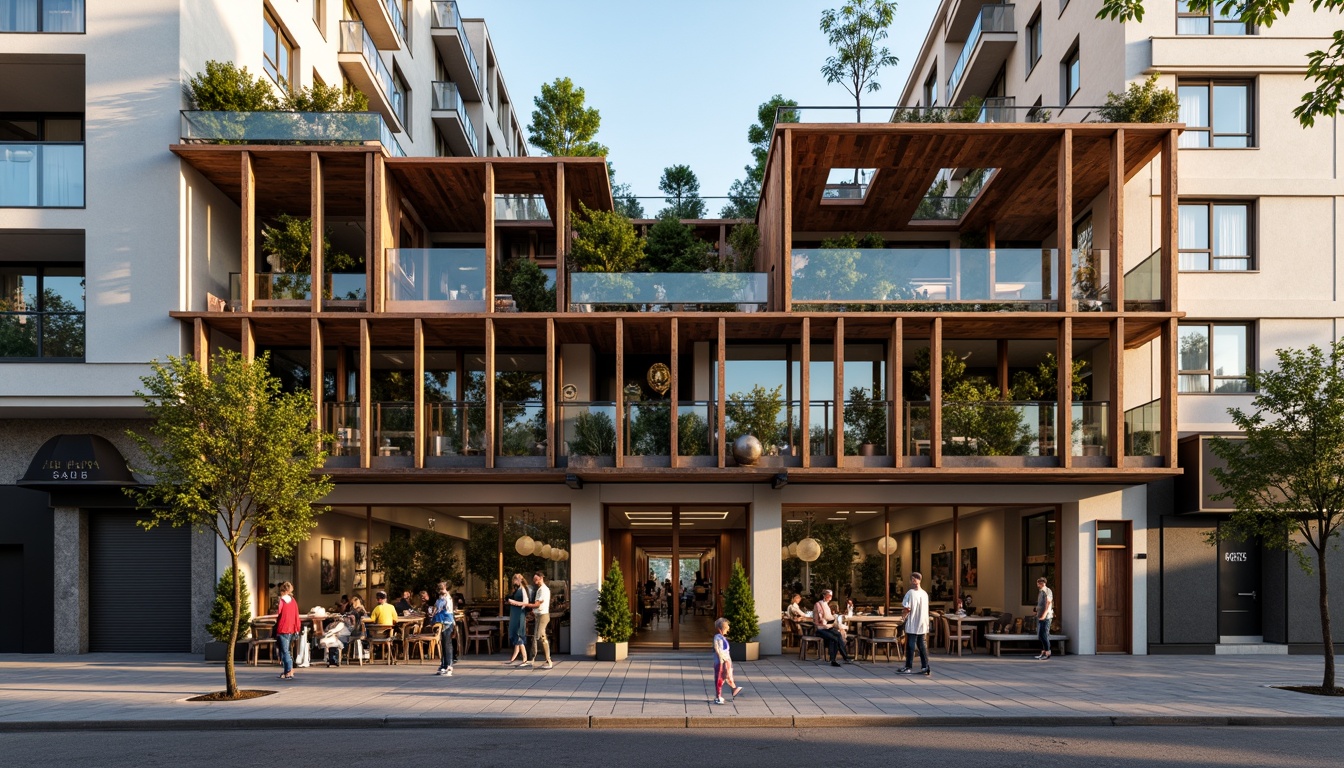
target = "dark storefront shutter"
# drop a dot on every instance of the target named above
(139, 586)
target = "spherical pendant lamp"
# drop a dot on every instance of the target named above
(546, 551)
(886, 545)
(809, 550)
(793, 549)
(524, 545)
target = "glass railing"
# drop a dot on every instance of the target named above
(297, 286)
(342, 421)
(340, 128)
(682, 291)
(995, 428)
(821, 427)
(355, 39)
(1090, 429)
(454, 429)
(1143, 285)
(998, 109)
(42, 335)
(436, 280)
(521, 208)
(925, 278)
(866, 425)
(42, 16)
(395, 429)
(448, 98)
(648, 428)
(41, 175)
(918, 429)
(398, 20)
(695, 427)
(1092, 280)
(445, 15)
(992, 18)
(520, 428)
(1143, 429)
(587, 429)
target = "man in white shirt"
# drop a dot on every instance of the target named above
(916, 605)
(541, 612)
(824, 624)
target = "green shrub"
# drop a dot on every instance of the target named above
(739, 607)
(594, 435)
(224, 86)
(1144, 103)
(613, 622)
(324, 98)
(221, 612)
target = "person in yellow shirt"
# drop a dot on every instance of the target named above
(383, 613)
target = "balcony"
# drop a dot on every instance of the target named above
(521, 208)
(332, 128)
(361, 63)
(450, 117)
(998, 109)
(41, 175)
(51, 16)
(1143, 285)
(294, 290)
(432, 280)
(450, 37)
(675, 291)
(925, 279)
(383, 19)
(987, 45)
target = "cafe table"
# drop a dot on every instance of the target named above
(975, 622)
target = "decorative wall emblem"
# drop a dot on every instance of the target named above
(660, 378)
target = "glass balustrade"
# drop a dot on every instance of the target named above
(41, 175)
(992, 18)
(394, 425)
(342, 420)
(588, 430)
(679, 291)
(1143, 428)
(436, 280)
(1143, 285)
(520, 428)
(918, 429)
(454, 429)
(445, 14)
(993, 428)
(355, 39)
(1092, 280)
(915, 279)
(695, 428)
(334, 128)
(1090, 430)
(648, 428)
(447, 97)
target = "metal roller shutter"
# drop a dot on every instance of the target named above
(139, 586)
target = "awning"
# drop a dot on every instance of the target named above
(77, 461)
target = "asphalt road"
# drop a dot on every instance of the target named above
(1223, 747)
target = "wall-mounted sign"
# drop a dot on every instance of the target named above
(77, 460)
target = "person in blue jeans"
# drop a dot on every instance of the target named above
(1045, 613)
(287, 626)
(443, 616)
(916, 607)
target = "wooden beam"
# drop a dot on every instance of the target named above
(317, 266)
(1115, 442)
(1117, 189)
(805, 374)
(1064, 385)
(786, 221)
(490, 287)
(548, 391)
(342, 373)
(365, 376)
(561, 219)
(956, 556)
(247, 341)
(1170, 222)
(839, 385)
(936, 393)
(418, 353)
(316, 371)
(491, 423)
(378, 229)
(721, 415)
(1003, 368)
(247, 217)
(1170, 346)
(200, 344)
(1064, 220)
(896, 393)
(621, 447)
(674, 426)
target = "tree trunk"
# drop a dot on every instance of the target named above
(1328, 682)
(230, 678)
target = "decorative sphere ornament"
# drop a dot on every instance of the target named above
(886, 545)
(809, 550)
(524, 545)
(793, 549)
(747, 450)
(546, 551)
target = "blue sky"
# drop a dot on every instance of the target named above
(679, 82)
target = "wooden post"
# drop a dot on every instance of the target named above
(786, 221)
(956, 557)
(838, 365)
(674, 427)
(936, 393)
(419, 354)
(342, 373)
(721, 428)
(1116, 410)
(1003, 368)
(896, 392)
(805, 374)
(1169, 368)
(1064, 385)
(368, 536)
(247, 341)
(490, 238)
(378, 225)
(561, 219)
(1170, 222)
(316, 375)
(317, 265)
(366, 427)
(247, 216)
(1117, 180)
(1064, 221)
(491, 407)
(200, 343)
(620, 393)
(548, 391)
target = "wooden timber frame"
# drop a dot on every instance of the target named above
(1049, 174)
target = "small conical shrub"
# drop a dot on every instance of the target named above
(221, 613)
(740, 607)
(613, 621)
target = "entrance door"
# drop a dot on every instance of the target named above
(1239, 591)
(130, 568)
(11, 575)
(1114, 587)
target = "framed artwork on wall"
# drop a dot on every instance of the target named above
(361, 556)
(940, 575)
(970, 568)
(330, 574)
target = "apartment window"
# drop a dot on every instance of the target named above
(41, 161)
(931, 89)
(1035, 41)
(277, 51)
(1215, 236)
(41, 15)
(1216, 113)
(41, 312)
(320, 16)
(1071, 74)
(401, 100)
(1215, 357)
(1035, 114)
(1214, 21)
(1038, 553)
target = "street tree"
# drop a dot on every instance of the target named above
(855, 32)
(230, 453)
(682, 190)
(562, 125)
(1285, 478)
(1324, 67)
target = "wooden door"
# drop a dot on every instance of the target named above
(1114, 589)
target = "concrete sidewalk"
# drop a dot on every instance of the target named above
(119, 691)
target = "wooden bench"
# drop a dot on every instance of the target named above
(996, 641)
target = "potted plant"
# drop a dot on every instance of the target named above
(866, 419)
(594, 442)
(612, 619)
(755, 413)
(221, 618)
(739, 608)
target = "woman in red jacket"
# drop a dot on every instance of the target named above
(287, 627)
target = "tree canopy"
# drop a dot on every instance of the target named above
(1324, 67)
(562, 125)
(673, 247)
(855, 32)
(744, 195)
(604, 241)
(682, 190)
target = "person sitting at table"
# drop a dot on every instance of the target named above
(795, 609)
(341, 605)
(334, 637)
(404, 604)
(459, 600)
(824, 622)
(426, 606)
(383, 614)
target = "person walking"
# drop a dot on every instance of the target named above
(541, 614)
(518, 602)
(723, 662)
(916, 607)
(824, 623)
(1045, 613)
(287, 626)
(443, 616)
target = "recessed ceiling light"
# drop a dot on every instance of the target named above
(477, 517)
(652, 525)
(837, 519)
(793, 521)
(865, 512)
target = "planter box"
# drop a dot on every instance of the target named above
(612, 651)
(648, 461)
(744, 651)
(590, 462)
(533, 462)
(215, 650)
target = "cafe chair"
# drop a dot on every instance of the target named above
(882, 635)
(382, 637)
(805, 641)
(478, 633)
(1005, 624)
(963, 639)
(429, 639)
(263, 636)
(791, 633)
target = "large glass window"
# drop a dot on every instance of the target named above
(1216, 113)
(401, 99)
(1035, 41)
(41, 15)
(277, 51)
(1214, 21)
(1214, 357)
(1072, 74)
(41, 161)
(1038, 553)
(41, 312)
(1215, 236)
(931, 89)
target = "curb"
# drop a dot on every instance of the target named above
(609, 722)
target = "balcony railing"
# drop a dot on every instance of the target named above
(42, 16)
(998, 109)
(436, 280)
(992, 18)
(1092, 280)
(296, 288)
(339, 128)
(587, 431)
(1143, 285)
(926, 278)
(1143, 429)
(455, 433)
(355, 39)
(1001, 428)
(680, 291)
(521, 208)
(46, 335)
(444, 14)
(41, 175)
(398, 20)
(448, 98)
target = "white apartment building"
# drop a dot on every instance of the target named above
(100, 240)
(1258, 246)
